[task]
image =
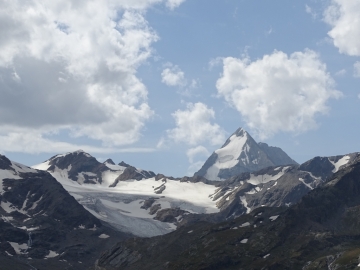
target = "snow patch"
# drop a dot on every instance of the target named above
(246, 224)
(343, 161)
(51, 254)
(272, 218)
(19, 248)
(42, 166)
(244, 241)
(306, 184)
(103, 236)
(244, 202)
(265, 178)
(115, 167)
(267, 255)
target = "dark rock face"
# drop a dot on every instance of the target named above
(322, 231)
(132, 173)
(318, 166)
(122, 163)
(37, 207)
(5, 163)
(154, 208)
(276, 154)
(148, 203)
(76, 163)
(250, 157)
(169, 214)
(110, 161)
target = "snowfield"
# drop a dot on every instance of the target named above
(120, 206)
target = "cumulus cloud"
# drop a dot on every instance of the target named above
(344, 18)
(71, 65)
(278, 92)
(194, 125)
(173, 76)
(357, 69)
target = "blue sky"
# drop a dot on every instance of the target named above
(161, 84)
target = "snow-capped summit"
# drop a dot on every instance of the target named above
(239, 154)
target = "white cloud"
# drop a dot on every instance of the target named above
(344, 17)
(200, 150)
(173, 76)
(310, 11)
(71, 65)
(278, 92)
(32, 142)
(341, 72)
(172, 4)
(194, 125)
(357, 69)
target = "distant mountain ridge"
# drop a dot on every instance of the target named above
(241, 153)
(81, 167)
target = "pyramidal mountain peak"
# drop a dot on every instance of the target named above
(241, 153)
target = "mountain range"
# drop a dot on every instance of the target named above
(62, 213)
(320, 232)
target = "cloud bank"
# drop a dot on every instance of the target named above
(71, 65)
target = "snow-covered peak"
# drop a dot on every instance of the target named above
(228, 154)
(241, 153)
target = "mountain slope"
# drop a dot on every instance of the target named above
(41, 221)
(240, 154)
(321, 232)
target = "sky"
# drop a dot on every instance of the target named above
(161, 84)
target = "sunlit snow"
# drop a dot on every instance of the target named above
(343, 161)
(228, 156)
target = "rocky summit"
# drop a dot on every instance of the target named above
(241, 153)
